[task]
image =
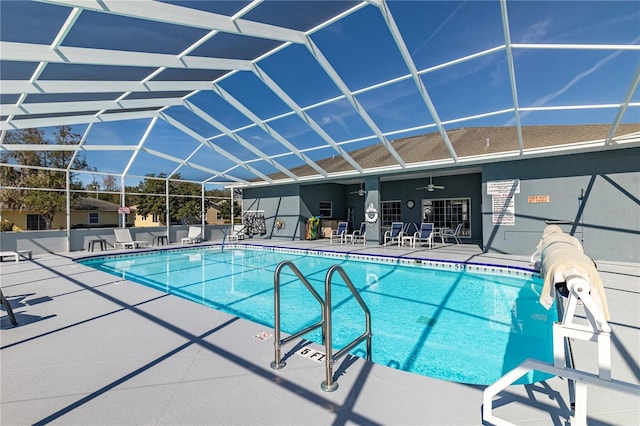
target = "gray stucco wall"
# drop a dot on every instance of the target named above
(608, 224)
(277, 202)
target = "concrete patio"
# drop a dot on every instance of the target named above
(94, 349)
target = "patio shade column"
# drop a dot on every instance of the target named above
(372, 209)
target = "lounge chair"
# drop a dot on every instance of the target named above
(455, 234)
(16, 254)
(124, 239)
(340, 233)
(359, 234)
(395, 234)
(236, 233)
(195, 236)
(424, 235)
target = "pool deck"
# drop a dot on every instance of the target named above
(93, 349)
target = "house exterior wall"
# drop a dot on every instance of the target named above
(77, 218)
(606, 221)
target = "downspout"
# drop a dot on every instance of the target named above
(68, 201)
(167, 217)
(204, 212)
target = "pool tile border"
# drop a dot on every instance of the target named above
(423, 262)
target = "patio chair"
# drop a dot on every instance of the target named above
(455, 234)
(359, 234)
(236, 233)
(395, 234)
(195, 236)
(124, 239)
(340, 233)
(424, 234)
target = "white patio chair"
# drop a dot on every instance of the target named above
(195, 236)
(455, 234)
(124, 239)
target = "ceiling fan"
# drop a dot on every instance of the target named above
(431, 187)
(361, 192)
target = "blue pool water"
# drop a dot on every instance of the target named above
(453, 324)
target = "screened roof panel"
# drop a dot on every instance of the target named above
(302, 15)
(181, 74)
(347, 46)
(327, 87)
(16, 70)
(228, 8)
(31, 22)
(116, 32)
(396, 106)
(263, 141)
(255, 95)
(296, 84)
(340, 120)
(224, 112)
(584, 22)
(470, 88)
(437, 32)
(596, 81)
(113, 133)
(233, 46)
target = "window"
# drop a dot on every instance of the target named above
(448, 213)
(325, 209)
(35, 222)
(391, 212)
(94, 218)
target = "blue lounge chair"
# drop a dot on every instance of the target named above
(340, 233)
(360, 234)
(395, 234)
(424, 235)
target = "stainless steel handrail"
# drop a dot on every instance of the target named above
(329, 385)
(278, 343)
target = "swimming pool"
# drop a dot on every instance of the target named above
(468, 324)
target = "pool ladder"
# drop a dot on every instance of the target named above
(325, 323)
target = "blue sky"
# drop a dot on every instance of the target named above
(361, 50)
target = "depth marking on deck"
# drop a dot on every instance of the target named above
(263, 335)
(311, 354)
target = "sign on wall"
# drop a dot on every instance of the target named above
(503, 204)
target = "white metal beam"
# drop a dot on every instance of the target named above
(29, 123)
(173, 14)
(139, 146)
(30, 52)
(88, 106)
(98, 86)
(512, 71)
(623, 107)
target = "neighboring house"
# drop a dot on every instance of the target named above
(86, 212)
(212, 218)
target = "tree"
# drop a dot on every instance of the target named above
(184, 202)
(15, 192)
(225, 209)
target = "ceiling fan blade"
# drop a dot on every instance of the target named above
(438, 187)
(422, 187)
